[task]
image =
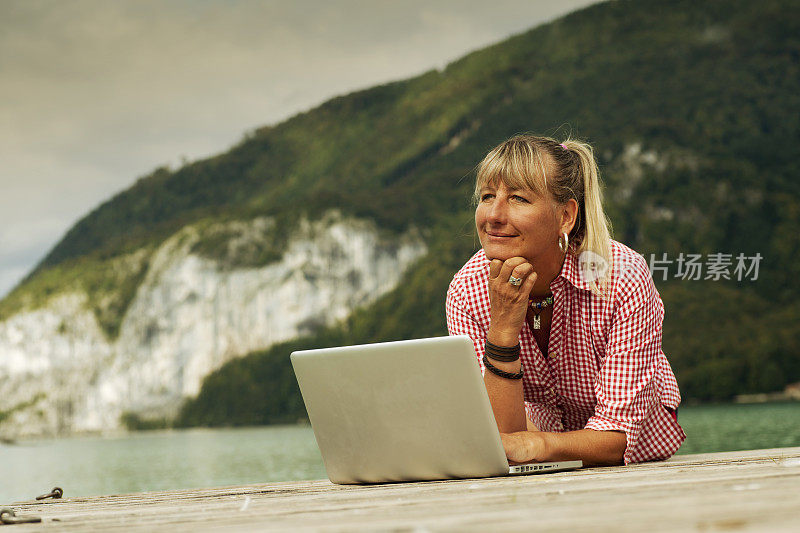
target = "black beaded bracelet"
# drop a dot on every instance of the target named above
(502, 353)
(502, 373)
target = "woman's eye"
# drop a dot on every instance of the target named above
(485, 197)
(519, 198)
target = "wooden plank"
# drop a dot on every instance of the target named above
(755, 490)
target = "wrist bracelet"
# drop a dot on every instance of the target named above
(502, 373)
(502, 353)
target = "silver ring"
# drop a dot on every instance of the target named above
(514, 281)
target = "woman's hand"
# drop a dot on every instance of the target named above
(523, 446)
(509, 303)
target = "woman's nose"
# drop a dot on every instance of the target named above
(497, 212)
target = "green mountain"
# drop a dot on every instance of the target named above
(694, 112)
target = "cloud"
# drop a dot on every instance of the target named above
(95, 94)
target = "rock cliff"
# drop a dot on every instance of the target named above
(59, 373)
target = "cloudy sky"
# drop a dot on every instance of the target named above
(95, 93)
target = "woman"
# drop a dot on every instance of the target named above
(566, 322)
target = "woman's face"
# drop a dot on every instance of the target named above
(515, 223)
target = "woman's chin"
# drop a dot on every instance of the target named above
(502, 253)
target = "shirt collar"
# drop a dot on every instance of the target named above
(571, 272)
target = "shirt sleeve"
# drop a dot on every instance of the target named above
(461, 322)
(627, 387)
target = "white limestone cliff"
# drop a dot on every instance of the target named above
(189, 316)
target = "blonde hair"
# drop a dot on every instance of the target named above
(561, 171)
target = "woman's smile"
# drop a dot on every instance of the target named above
(499, 234)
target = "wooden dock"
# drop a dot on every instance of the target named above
(756, 490)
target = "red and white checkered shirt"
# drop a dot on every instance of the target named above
(605, 369)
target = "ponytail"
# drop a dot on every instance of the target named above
(593, 234)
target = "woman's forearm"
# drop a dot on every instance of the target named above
(505, 394)
(509, 304)
(590, 446)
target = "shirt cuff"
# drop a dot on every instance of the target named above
(659, 439)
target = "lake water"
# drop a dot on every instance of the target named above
(158, 460)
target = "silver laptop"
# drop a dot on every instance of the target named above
(404, 411)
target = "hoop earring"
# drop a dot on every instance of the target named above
(564, 247)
